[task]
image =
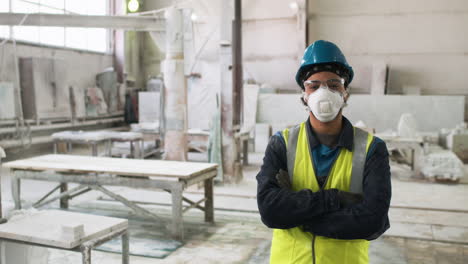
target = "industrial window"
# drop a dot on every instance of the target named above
(4, 30)
(93, 39)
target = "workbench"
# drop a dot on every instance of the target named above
(133, 138)
(91, 138)
(94, 138)
(195, 137)
(43, 229)
(92, 173)
(413, 144)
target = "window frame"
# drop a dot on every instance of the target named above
(108, 39)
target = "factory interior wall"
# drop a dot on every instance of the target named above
(421, 41)
(270, 51)
(82, 66)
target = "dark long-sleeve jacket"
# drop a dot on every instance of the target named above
(320, 212)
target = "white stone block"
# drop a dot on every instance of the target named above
(379, 78)
(72, 231)
(149, 106)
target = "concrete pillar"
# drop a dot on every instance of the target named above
(118, 8)
(301, 27)
(175, 96)
(225, 61)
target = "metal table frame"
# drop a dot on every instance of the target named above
(92, 181)
(94, 144)
(136, 146)
(86, 247)
(2, 155)
(158, 142)
(416, 147)
(243, 137)
(243, 140)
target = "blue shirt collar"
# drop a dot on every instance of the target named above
(345, 138)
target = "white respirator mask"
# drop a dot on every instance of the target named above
(324, 104)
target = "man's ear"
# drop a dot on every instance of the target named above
(346, 96)
(303, 98)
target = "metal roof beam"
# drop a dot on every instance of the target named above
(134, 23)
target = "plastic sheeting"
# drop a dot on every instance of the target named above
(441, 164)
(215, 144)
(202, 96)
(250, 98)
(96, 135)
(80, 135)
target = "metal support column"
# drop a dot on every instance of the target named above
(229, 145)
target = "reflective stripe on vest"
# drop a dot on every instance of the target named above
(291, 149)
(359, 160)
(295, 246)
(359, 155)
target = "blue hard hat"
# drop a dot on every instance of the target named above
(323, 52)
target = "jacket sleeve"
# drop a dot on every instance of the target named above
(282, 208)
(368, 219)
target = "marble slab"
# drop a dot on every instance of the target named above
(44, 227)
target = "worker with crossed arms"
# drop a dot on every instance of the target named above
(324, 186)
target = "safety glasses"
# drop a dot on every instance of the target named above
(332, 84)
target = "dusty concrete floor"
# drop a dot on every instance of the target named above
(429, 222)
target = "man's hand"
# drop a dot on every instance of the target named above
(348, 198)
(283, 179)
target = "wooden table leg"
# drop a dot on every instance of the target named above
(109, 148)
(132, 150)
(64, 200)
(245, 151)
(86, 254)
(177, 227)
(139, 149)
(2, 220)
(94, 149)
(209, 208)
(16, 190)
(61, 147)
(88, 246)
(125, 248)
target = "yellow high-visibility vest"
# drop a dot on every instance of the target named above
(296, 246)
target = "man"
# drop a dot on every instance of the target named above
(324, 185)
